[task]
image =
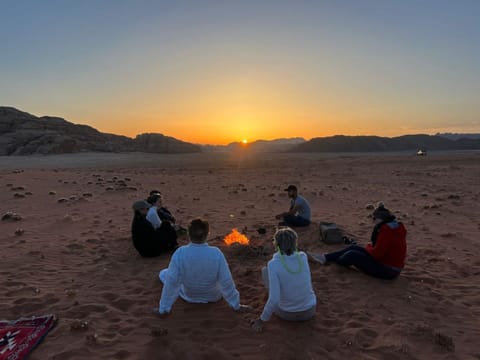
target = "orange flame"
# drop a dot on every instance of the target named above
(236, 237)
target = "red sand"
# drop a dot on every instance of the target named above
(75, 258)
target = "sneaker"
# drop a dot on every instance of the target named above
(320, 258)
(348, 241)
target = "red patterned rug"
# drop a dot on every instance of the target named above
(19, 337)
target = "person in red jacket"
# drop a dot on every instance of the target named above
(383, 257)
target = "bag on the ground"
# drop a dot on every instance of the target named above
(330, 233)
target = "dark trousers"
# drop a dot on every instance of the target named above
(292, 220)
(357, 256)
(167, 237)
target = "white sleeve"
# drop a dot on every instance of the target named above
(152, 216)
(273, 294)
(227, 285)
(171, 287)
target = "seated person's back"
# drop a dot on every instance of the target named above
(198, 273)
(202, 268)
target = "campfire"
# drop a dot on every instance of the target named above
(236, 237)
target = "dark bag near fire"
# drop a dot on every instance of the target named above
(330, 233)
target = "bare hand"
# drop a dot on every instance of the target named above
(257, 326)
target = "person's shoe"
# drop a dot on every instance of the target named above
(320, 258)
(348, 241)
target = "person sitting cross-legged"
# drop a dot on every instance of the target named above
(299, 212)
(198, 273)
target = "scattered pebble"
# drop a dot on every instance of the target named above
(159, 331)
(10, 215)
(62, 200)
(52, 192)
(262, 230)
(444, 341)
(19, 232)
(78, 325)
(70, 292)
(454, 196)
(92, 339)
(18, 195)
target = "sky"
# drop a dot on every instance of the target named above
(221, 71)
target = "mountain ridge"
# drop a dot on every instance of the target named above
(344, 143)
(22, 133)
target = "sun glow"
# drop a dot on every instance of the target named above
(244, 141)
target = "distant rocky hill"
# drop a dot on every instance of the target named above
(340, 143)
(277, 145)
(456, 136)
(158, 143)
(24, 134)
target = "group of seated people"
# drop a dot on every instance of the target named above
(199, 273)
(153, 227)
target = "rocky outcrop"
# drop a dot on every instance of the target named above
(23, 134)
(158, 143)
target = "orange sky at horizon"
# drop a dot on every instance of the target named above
(220, 120)
(224, 132)
(266, 106)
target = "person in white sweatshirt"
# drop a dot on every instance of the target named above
(198, 273)
(288, 280)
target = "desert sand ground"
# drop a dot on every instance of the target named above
(75, 257)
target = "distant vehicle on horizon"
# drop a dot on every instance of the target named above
(421, 152)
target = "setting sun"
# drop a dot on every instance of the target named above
(244, 141)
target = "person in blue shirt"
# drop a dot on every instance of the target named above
(299, 212)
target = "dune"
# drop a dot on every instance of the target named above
(68, 252)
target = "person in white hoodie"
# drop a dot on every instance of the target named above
(288, 280)
(198, 273)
